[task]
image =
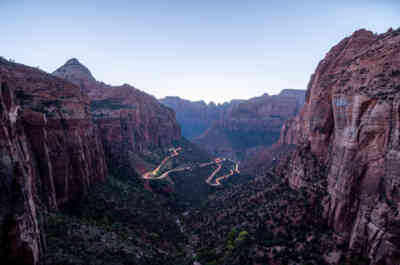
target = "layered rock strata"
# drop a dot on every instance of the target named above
(129, 121)
(195, 117)
(19, 230)
(51, 153)
(251, 124)
(348, 132)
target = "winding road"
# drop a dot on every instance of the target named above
(209, 179)
(218, 180)
(153, 174)
(218, 161)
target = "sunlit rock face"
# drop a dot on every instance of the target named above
(129, 120)
(350, 127)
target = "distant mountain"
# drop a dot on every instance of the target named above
(195, 117)
(251, 124)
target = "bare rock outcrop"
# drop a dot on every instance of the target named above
(19, 230)
(50, 154)
(129, 121)
(56, 142)
(77, 73)
(348, 132)
(66, 148)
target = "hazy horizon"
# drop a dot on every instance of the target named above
(208, 50)
(229, 100)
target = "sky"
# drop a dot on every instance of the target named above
(212, 50)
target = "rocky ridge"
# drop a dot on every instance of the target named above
(348, 132)
(130, 121)
(57, 142)
(251, 124)
(77, 73)
(50, 154)
(196, 117)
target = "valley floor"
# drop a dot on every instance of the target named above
(155, 174)
(182, 219)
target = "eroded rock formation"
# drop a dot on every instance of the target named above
(348, 132)
(251, 124)
(66, 148)
(50, 152)
(19, 229)
(129, 120)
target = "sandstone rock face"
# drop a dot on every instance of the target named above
(20, 236)
(129, 120)
(350, 126)
(254, 123)
(55, 142)
(66, 149)
(77, 73)
(50, 153)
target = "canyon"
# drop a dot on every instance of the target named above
(59, 139)
(195, 117)
(129, 120)
(99, 174)
(237, 128)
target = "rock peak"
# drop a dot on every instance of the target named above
(72, 61)
(363, 33)
(75, 72)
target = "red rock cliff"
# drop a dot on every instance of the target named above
(349, 133)
(251, 124)
(19, 231)
(50, 153)
(130, 121)
(67, 151)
